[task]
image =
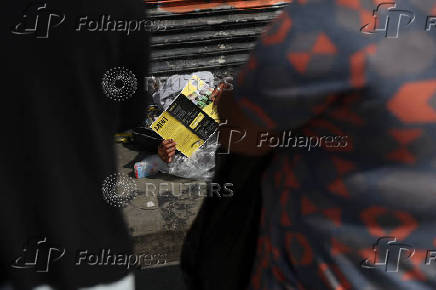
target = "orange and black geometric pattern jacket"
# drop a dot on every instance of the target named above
(349, 200)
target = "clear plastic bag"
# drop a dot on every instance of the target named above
(169, 89)
(201, 165)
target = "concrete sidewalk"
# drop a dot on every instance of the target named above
(163, 211)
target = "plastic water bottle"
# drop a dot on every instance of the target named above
(149, 166)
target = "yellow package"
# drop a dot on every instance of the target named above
(170, 128)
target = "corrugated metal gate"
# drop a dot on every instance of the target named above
(215, 35)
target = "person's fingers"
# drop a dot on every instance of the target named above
(170, 145)
(167, 141)
(166, 146)
(170, 148)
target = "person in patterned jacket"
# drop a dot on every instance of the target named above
(344, 94)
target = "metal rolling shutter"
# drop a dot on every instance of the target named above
(217, 37)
